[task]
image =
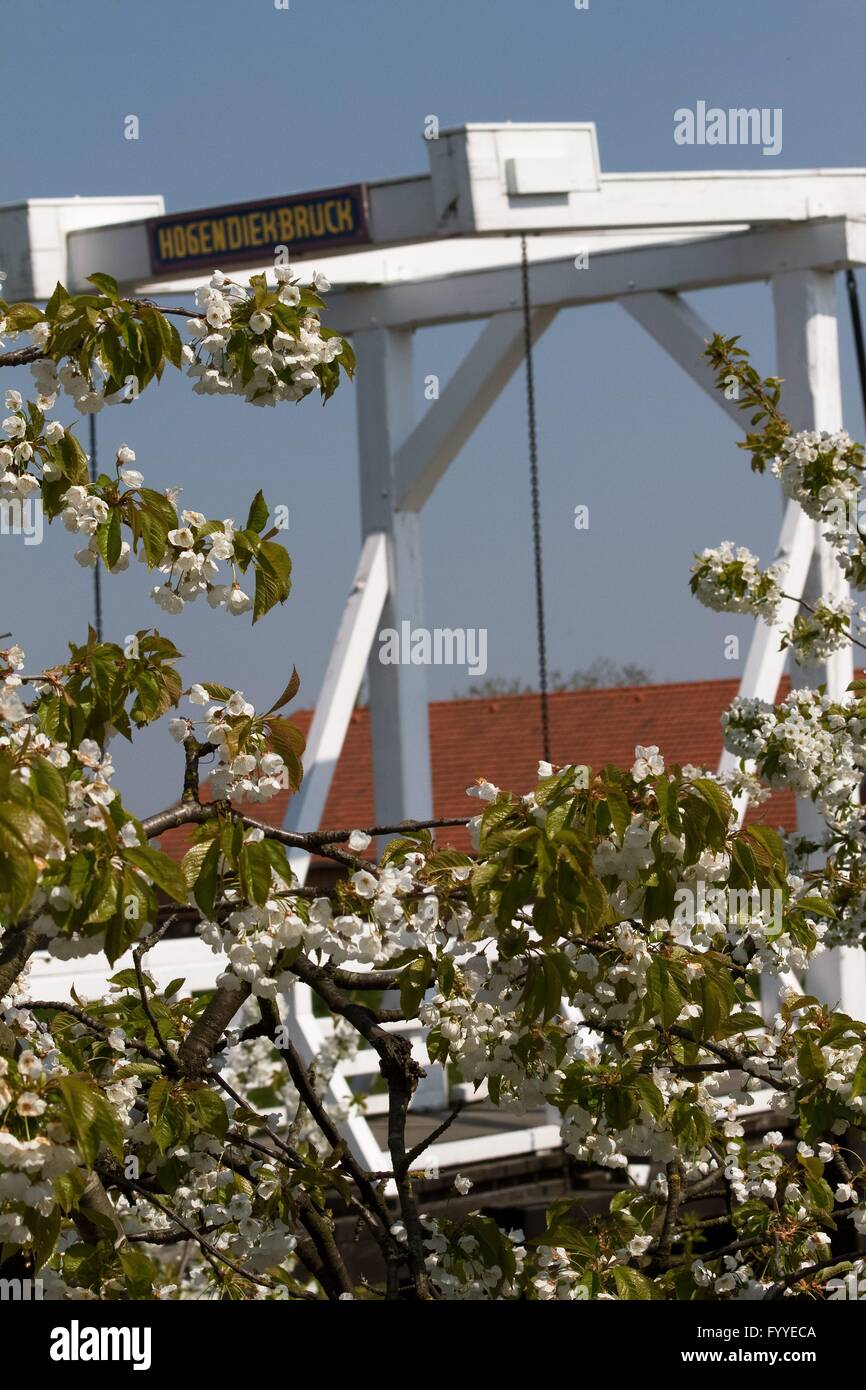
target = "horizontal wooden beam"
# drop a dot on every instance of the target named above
(691, 265)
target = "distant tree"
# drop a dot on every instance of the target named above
(603, 674)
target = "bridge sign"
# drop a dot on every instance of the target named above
(251, 232)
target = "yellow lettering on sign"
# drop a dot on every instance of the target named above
(256, 227)
(233, 226)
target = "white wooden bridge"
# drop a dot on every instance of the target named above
(443, 246)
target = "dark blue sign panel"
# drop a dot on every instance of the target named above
(251, 232)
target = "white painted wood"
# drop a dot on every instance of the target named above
(398, 693)
(839, 977)
(339, 691)
(807, 346)
(409, 261)
(736, 258)
(337, 1095)
(765, 662)
(682, 332)
(36, 235)
(476, 384)
(186, 957)
(409, 210)
(455, 1152)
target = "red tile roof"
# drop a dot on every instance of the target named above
(500, 738)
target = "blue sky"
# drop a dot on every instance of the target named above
(240, 100)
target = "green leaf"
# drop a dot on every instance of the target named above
(165, 873)
(821, 1193)
(138, 1271)
(631, 1284)
(819, 906)
(191, 864)
(273, 577)
(210, 1112)
(44, 1231)
(415, 980)
(91, 1118)
(667, 1000)
(154, 535)
(288, 694)
(716, 998)
(254, 869)
(47, 781)
(285, 738)
(205, 888)
(716, 798)
(619, 809)
(257, 518)
(810, 1060)
(158, 1103)
(106, 283)
(114, 541)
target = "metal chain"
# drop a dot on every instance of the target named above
(536, 504)
(97, 583)
(857, 326)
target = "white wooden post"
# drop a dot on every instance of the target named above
(398, 693)
(807, 348)
(399, 721)
(340, 687)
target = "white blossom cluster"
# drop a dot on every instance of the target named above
(810, 743)
(192, 566)
(88, 771)
(729, 579)
(86, 393)
(484, 1032)
(389, 919)
(815, 635)
(194, 552)
(250, 773)
(819, 470)
(459, 1271)
(16, 452)
(284, 365)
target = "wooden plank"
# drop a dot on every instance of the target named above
(343, 677)
(477, 383)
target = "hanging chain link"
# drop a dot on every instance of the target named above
(536, 504)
